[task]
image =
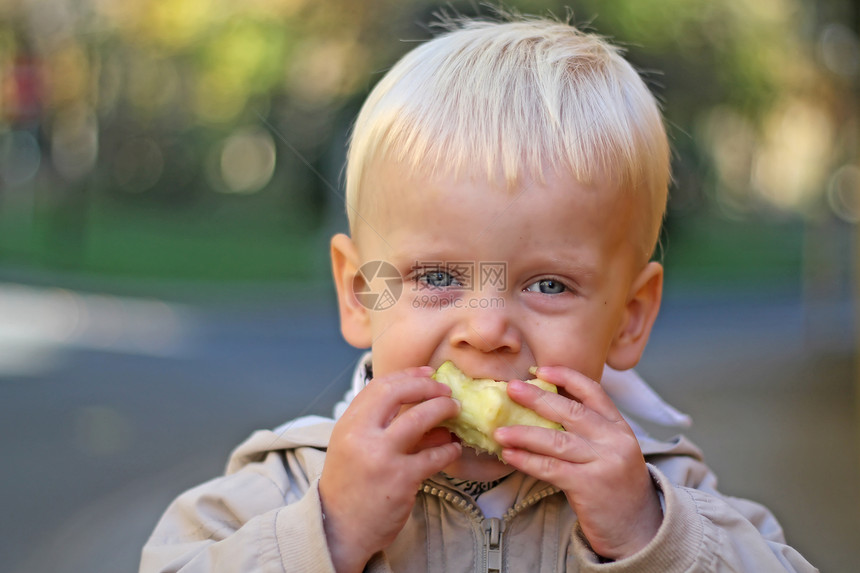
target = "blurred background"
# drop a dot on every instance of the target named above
(170, 174)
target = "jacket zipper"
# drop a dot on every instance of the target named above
(493, 527)
(457, 501)
(528, 502)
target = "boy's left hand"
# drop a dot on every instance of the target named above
(597, 462)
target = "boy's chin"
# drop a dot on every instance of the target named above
(480, 466)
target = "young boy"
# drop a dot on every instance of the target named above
(535, 151)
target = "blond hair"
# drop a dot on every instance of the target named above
(511, 99)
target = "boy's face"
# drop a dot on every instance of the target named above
(496, 279)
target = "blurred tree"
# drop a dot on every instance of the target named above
(144, 123)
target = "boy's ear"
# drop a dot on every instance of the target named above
(354, 317)
(643, 304)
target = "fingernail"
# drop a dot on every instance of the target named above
(516, 384)
(544, 371)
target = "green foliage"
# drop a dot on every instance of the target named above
(152, 115)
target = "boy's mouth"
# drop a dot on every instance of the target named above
(496, 375)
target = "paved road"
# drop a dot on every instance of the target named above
(110, 407)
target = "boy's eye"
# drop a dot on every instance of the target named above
(438, 279)
(547, 286)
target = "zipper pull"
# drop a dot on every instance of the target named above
(493, 528)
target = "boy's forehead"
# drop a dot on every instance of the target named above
(390, 186)
(387, 174)
(395, 193)
(393, 190)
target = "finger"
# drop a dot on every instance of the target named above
(413, 423)
(581, 388)
(572, 414)
(546, 468)
(432, 460)
(565, 446)
(381, 400)
(434, 437)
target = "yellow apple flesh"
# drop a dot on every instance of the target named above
(485, 406)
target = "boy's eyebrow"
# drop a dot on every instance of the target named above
(575, 268)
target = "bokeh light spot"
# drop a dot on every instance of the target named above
(843, 193)
(247, 161)
(840, 50)
(75, 143)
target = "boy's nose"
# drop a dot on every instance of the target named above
(486, 329)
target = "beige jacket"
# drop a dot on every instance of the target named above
(265, 515)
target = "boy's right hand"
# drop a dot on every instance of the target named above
(382, 448)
